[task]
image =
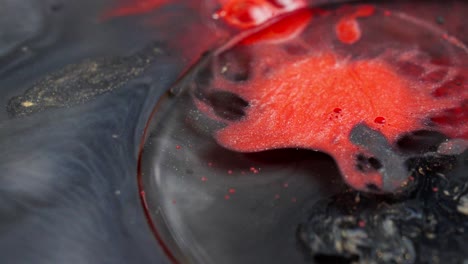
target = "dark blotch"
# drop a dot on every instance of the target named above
(295, 50)
(227, 105)
(366, 164)
(202, 81)
(420, 142)
(56, 7)
(325, 259)
(372, 187)
(234, 65)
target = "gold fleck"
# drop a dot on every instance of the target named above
(27, 104)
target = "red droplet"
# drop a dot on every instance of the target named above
(232, 191)
(348, 30)
(204, 179)
(229, 172)
(285, 185)
(387, 13)
(362, 223)
(435, 189)
(380, 120)
(178, 147)
(227, 197)
(337, 110)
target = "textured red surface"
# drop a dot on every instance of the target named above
(315, 102)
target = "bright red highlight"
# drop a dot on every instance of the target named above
(250, 13)
(348, 30)
(282, 30)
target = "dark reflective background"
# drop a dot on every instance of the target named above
(68, 134)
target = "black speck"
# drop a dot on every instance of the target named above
(372, 187)
(323, 259)
(56, 7)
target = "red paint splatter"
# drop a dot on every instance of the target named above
(294, 110)
(348, 30)
(290, 98)
(286, 122)
(227, 197)
(178, 147)
(203, 179)
(232, 191)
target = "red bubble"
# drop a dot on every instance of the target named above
(380, 120)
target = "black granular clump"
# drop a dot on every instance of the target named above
(425, 223)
